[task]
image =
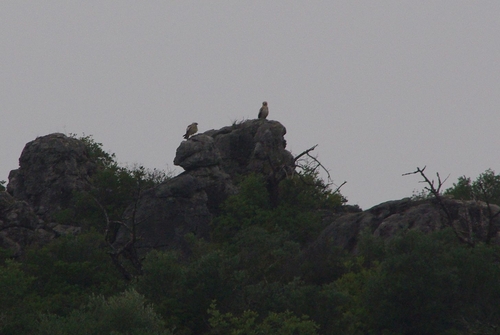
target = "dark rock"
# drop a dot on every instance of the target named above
(199, 151)
(162, 221)
(19, 225)
(469, 219)
(51, 168)
(187, 202)
(63, 230)
(184, 204)
(256, 146)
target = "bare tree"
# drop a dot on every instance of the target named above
(468, 224)
(307, 166)
(127, 250)
(436, 193)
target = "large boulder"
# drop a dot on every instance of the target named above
(199, 151)
(472, 221)
(256, 146)
(187, 202)
(51, 169)
(19, 225)
(164, 214)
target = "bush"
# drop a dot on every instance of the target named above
(486, 187)
(114, 188)
(248, 323)
(182, 291)
(126, 313)
(423, 284)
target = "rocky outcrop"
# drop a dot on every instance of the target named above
(472, 221)
(51, 168)
(253, 146)
(19, 225)
(54, 167)
(187, 202)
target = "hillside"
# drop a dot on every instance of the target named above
(248, 239)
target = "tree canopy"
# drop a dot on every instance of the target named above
(251, 276)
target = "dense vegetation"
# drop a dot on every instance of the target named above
(253, 276)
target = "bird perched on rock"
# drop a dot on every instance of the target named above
(264, 111)
(191, 129)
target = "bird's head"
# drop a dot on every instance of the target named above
(264, 103)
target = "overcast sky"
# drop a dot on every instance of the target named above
(381, 86)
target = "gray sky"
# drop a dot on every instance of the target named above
(381, 86)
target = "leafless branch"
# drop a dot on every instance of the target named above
(307, 153)
(304, 153)
(337, 190)
(431, 188)
(128, 250)
(436, 192)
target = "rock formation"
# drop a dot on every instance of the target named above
(472, 222)
(54, 167)
(19, 225)
(187, 202)
(51, 168)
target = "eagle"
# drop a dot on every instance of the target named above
(191, 129)
(264, 111)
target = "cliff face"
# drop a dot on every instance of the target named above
(54, 167)
(187, 202)
(50, 169)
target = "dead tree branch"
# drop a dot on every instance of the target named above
(431, 188)
(436, 192)
(307, 166)
(128, 250)
(337, 190)
(306, 153)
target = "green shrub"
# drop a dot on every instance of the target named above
(423, 284)
(486, 187)
(76, 262)
(248, 323)
(126, 313)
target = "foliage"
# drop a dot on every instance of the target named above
(15, 291)
(183, 291)
(61, 275)
(261, 266)
(297, 213)
(14, 283)
(285, 323)
(486, 188)
(125, 313)
(306, 188)
(421, 195)
(254, 262)
(114, 188)
(72, 264)
(424, 284)
(55, 278)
